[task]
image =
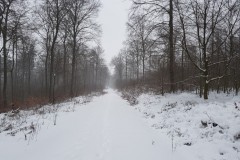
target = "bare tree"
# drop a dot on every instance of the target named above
(202, 24)
(154, 10)
(6, 9)
(81, 14)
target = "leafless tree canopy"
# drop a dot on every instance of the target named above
(182, 45)
(49, 51)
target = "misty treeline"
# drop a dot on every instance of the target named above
(182, 45)
(50, 50)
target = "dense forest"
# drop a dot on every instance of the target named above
(181, 45)
(50, 50)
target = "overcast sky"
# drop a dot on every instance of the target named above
(113, 17)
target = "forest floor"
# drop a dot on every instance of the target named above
(107, 127)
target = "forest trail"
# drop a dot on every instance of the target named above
(105, 129)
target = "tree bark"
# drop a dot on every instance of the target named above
(171, 48)
(5, 55)
(73, 63)
(64, 63)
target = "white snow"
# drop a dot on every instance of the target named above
(105, 129)
(108, 128)
(179, 116)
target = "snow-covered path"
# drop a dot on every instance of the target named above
(105, 129)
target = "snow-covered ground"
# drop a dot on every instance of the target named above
(107, 128)
(204, 130)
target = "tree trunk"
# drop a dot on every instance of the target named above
(29, 74)
(171, 48)
(12, 69)
(73, 64)
(182, 69)
(85, 76)
(126, 68)
(205, 90)
(0, 79)
(54, 81)
(206, 82)
(143, 69)
(96, 77)
(137, 68)
(51, 71)
(52, 51)
(64, 64)
(5, 65)
(200, 87)
(46, 74)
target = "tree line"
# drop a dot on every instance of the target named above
(50, 50)
(182, 45)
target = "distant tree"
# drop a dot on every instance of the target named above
(118, 64)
